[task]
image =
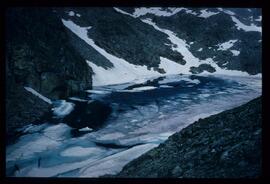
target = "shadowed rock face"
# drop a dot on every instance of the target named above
(38, 55)
(21, 108)
(122, 36)
(226, 145)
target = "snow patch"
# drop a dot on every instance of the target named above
(98, 92)
(165, 86)
(171, 67)
(78, 99)
(259, 19)
(156, 11)
(144, 88)
(244, 27)
(62, 108)
(85, 129)
(206, 14)
(123, 12)
(226, 45)
(235, 52)
(181, 46)
(34, 92)
(226, 11)
(190, 12)
(71, 13)
(138, 89)
(122, 71)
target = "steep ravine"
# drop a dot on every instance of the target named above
(225, 145)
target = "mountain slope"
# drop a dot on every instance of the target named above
(123, 36)
(59, 52)
(188, 40)
(224, 145)
(207, 33)
(39, 56)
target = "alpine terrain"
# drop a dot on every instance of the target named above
(123, 92)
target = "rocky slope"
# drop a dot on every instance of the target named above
(226, 145)
(39, 55)
(123, 36)
(217, 38)
(206, 33)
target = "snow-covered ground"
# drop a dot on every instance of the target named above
(62, 108)
(206, 14)
(226, 45)
(48, 150)
(226, 11)
(122, 71)
(235, 52)
(242, 26)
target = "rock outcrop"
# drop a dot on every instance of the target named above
(226, 145)
(122, 36)
(39, 55)
(207, 33)
(204, 34)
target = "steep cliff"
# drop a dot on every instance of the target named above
(39, 55)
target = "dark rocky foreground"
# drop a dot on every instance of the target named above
(226, 145)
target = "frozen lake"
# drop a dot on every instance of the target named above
(144, 114)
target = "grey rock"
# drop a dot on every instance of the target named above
(226, 156)
(201, 68)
